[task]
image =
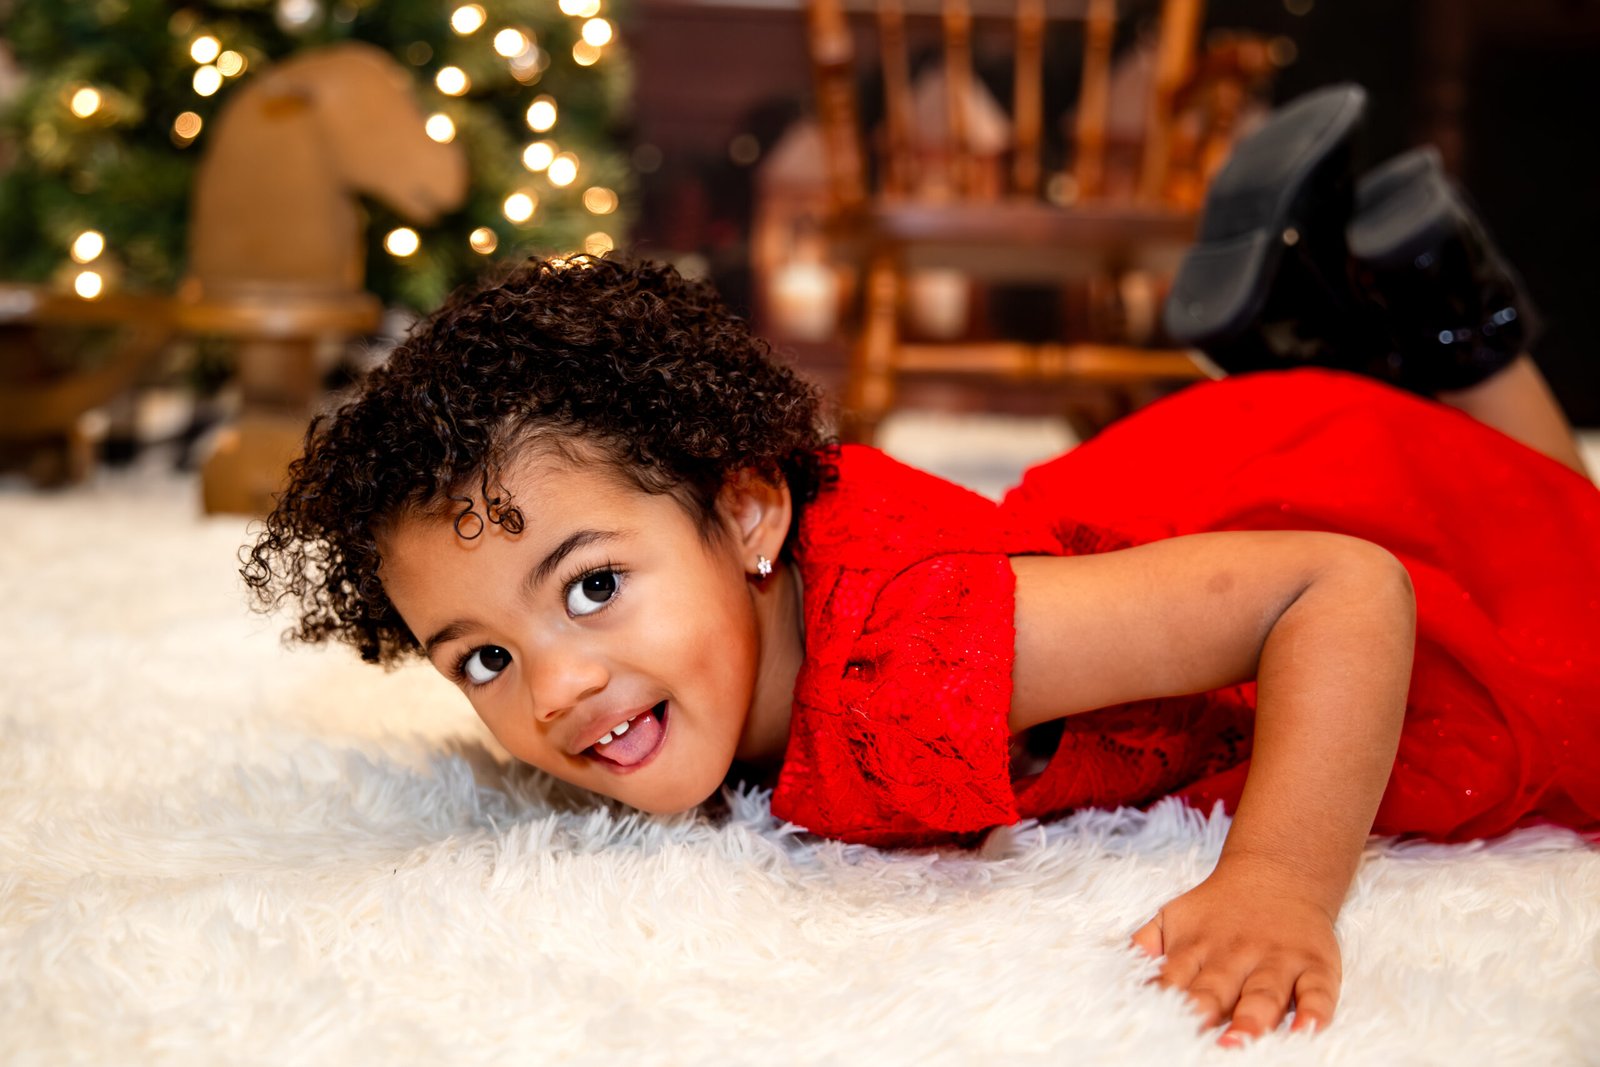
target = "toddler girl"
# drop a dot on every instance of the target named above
(587, 496)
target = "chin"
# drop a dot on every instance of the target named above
(676, 801)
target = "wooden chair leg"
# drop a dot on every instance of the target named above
(869, 393)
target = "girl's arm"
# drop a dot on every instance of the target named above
(1325, 625)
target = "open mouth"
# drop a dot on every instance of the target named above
(634, 743)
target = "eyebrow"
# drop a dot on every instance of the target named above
(580, 539)
(536, 577)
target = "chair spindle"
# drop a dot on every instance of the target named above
(900, 162)
(957, 18)
(832, 62)
(1094, 99)
(1028, 98)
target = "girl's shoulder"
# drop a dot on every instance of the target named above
(880, 510)
(898, 732)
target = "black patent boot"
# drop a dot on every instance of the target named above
(1453, 306)
(1268, 283)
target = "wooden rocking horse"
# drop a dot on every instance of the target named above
(276, 238)
(275, 263)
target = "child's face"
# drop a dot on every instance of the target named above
(608, 608)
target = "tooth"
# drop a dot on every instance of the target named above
(606, 740)
(621, 728)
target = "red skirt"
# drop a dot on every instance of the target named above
(1503, 547)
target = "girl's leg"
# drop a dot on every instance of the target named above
(1517, 401)
(1397, 280)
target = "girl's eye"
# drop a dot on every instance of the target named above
(592, 592)
(483, 665)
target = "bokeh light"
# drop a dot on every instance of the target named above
(468, 18)
(563, 169)
(205, 49)
(452, 81)
(186, 127)
(541, 114)
(519, 207)
(88, 284)
(85, 102)
(440, 128)
(509, 42)
(599, 200)
(88, 245)
(537, 156)
(207, 80)
(527, 66)
(401, 241)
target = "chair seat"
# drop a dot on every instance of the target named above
(1082, 361)
(1023, 241)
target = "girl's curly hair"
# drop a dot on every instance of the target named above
(592, 357)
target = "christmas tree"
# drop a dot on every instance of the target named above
(99, 146)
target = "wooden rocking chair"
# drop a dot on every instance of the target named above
(996, 229)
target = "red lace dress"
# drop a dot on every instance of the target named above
(899, 731)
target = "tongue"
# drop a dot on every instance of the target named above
(644, 733)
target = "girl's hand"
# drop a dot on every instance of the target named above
(1246, 945)
(1325, 625)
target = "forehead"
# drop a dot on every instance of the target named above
(548, 489)
(433, 575)
(540, 479)
(555, 494)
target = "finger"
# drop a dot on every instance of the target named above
(1215, 990)
(1179, 970)
(1148, 937)
(1262, 1003)
(1316, 994)
(1210, 1005)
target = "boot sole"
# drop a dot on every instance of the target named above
(1254, 206)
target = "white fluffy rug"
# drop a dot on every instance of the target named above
(214, 850)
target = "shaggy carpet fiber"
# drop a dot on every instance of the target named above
(214, 849)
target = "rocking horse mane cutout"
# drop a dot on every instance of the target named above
(275, 205)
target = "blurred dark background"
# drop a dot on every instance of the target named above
(1504, 90)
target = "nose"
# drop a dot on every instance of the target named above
(561, 677)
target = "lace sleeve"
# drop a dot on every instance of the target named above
(901, 737)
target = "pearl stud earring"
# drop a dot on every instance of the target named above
(763, 567)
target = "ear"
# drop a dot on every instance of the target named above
(756, 513)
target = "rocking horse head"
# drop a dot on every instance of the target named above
(275, 207)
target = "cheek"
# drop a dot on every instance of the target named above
(713, 645)
(510, 729)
